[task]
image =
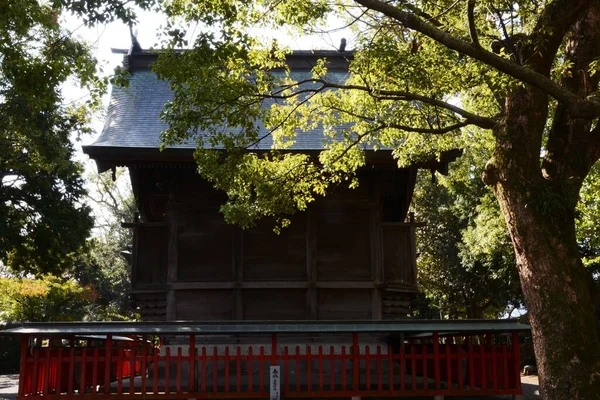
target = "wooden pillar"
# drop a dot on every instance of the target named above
(172, 262)
(377, 273)
(311, 265)
(238, 274)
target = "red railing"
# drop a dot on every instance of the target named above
(440, 364)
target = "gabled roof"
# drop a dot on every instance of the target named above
(133, 125)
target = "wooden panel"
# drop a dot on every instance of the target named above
(151, 258)
(205, 247)
(344, 304)
(397, 255)
(274, 304)
(203, 304)
(343, 243)
(268, 256)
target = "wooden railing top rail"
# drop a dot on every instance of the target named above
(250, 327)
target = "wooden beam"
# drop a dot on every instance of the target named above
(311, 265)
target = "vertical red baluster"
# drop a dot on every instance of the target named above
(250, 361)
(216, 368)
(23, 366)
(449, 366)
(70, 388)
(285, 369)
(238, 370)
(505, 384)
(390, 353)
(483, 366)
(298, 368)
(494, 367)
(120, 370)
(178, 377)
(355, 361)
(155, 370)
(83, 369)
(368, 367)
(47, 368)
(95, 371)
(343, 367)
(144, 362)
(332, 368)
(413, 366)
(402, 366)
(227, 369)
(308, 368)
(516, 360)
(274, 349)
(320, 368)
(425, 358)
(168, 370)
(107, 363)
(204, 367)
(471, 366)
(460, 357)
(59, 364)
(262, 368)
(132, 356)
(192, 364)
(436, 359)
(379, 370)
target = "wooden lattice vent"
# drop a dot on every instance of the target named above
(151, 306)
(397, 305)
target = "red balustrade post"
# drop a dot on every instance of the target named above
(144, 363)
(46, 378)
(368, 367)
(471, 363)
(355, 361)
(192, 363)
(70, 388)
(517, 360)
(320, 360)
(250, 368)
(226, 369)
(238, 370)
(59, 364)
(107, 363)
(168, 370)
(83, 369)
(178, 377)
(332, 368)
(436, 359)
(95, 370)
(23, 365)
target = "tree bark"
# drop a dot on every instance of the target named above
(539, 213)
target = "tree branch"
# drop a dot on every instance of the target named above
(394, 95)
(471, 18)
(578, 105)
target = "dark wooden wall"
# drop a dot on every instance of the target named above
(348, 256)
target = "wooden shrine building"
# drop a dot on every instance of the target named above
(350, 256)
(318, 311)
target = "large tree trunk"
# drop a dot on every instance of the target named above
(557, 291)
(539, 213)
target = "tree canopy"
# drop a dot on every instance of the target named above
(44, 221)
(423, 76)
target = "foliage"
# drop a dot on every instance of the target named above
(104, 265)
(44, 222)
(47, 298)
(466, 261)
(420, 71)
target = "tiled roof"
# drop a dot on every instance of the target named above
(133, 116)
